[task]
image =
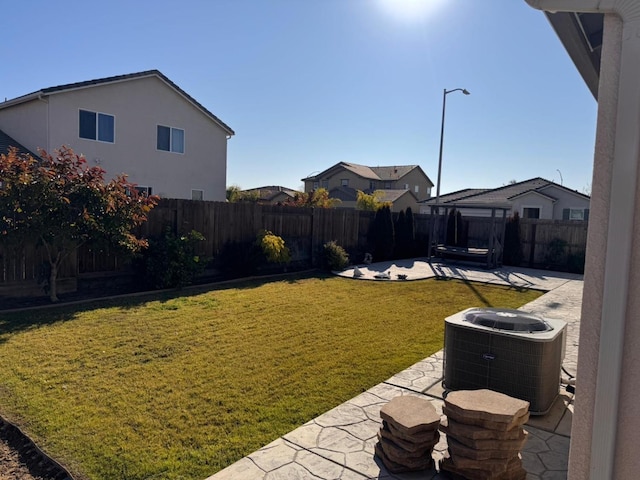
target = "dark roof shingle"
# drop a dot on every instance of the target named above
(6, 142)
(121, 78)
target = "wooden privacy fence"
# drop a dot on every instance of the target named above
(304, 230)
(554, 243)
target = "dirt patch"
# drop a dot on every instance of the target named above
(11, 468)
(21, 459)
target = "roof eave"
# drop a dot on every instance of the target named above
(22, 99)
(565, 27)
(119, 79)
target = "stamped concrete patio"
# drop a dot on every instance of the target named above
(340, 443)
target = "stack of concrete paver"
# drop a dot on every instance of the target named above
(408, 434)
(484, 435)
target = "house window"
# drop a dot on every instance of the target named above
(144, 191)
(316, 185)
(387, 185)
(531, 212)
(344, 182)
(372, 185)
(96, 126)
(197, 195)
(406, 186)
(575, 214)
(325, 184)
(416, 189)
(170, 139)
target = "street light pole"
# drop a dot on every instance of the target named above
(444, 105)
(434, 231)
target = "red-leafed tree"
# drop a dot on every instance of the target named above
(61, 203)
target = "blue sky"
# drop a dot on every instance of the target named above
(309, 83)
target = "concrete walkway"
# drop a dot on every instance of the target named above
(340, 443)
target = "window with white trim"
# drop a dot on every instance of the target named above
(197, 194)
(416, 189)
(96, 126)
(576, 214)
(170, 139)
(344, 182)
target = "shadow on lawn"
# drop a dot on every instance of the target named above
(28, 313)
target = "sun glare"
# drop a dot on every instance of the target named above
(410, 10)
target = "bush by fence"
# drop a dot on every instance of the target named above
(229, 227)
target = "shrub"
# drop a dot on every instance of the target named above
(456, 229)
(273, 247)
(575, 262)
(381, 235)
(240, 259)
(556, 253)
(336, 257)
(171, 260)
(512, 254)
(405, 234)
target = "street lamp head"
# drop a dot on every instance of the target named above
(466, 92)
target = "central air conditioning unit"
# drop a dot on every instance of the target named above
(508, 351)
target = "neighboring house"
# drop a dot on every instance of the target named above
(6, 143)
(535, 198)
(141, 124)
(404, 185)
(271, 195)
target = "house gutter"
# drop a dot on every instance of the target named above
(19, 100)
(621, 220)
(45, 100)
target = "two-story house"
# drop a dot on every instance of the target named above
(141, 124)
(404, 185)
(534, 198)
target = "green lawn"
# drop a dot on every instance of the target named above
(180, 386)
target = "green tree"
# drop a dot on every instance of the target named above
(381, 235)
(61, 203)
(172, 260)
(512, 254)
(405, 234)
(236, 195)
(273, 247)
(456, 229)
(371, 202)
(410, 231)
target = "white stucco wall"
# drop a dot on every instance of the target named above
(139, 106)
(611, 295)
(564, 199)
(27, 124)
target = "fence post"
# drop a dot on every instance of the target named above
(532, 242)
(314, 229)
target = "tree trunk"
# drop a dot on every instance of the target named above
(53, 286)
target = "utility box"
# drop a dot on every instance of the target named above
(508, 351)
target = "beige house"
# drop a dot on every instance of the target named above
(141, 124)
(534, 198)
(602, 38)
(403, 185)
